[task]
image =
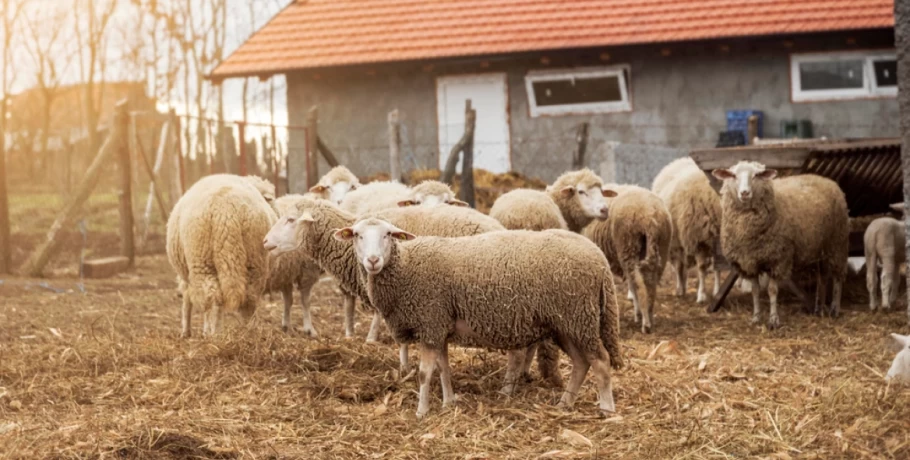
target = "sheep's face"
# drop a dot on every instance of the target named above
(431, 199)
(373, 240)
(334, 192)
(282, 237)
(740, 179)
(590, 199)
(900, 368)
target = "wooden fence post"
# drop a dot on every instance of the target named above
(467, 160)
(154, 187)
(34, 266)
(752, 129)
(452, 161)
(127, 221)
(394, 146)
(581, 146)
(326, 153)
(176, 175)
(241, 145)
(5, 245)
(312, 146)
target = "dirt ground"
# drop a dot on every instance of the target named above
(103, 374)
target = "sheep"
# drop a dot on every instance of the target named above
(290, 269)
(214, 237)
(900, 367)
(503, 290)
(375, 196)
(635, 239)
(776, 226)
(338, 259)
(335, 184)
(884, 244)
(694, 209)
(577, 195)
(431, 193)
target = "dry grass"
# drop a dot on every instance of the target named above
(104, 375)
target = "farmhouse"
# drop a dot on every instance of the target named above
(640, 72)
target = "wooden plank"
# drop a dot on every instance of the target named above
(394, 146)
(780, 158)
(127, 220)
(106, 267)
(312, 147)
(725, 289)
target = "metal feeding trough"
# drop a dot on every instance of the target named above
(867, 170)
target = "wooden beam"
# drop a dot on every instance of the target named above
(326, 153)
(467, 162)
(105, 268)
(394, 146)
(312, 147)
(581, 145)
(154, 189)
(127, 219)
(725, 289)
(452, 161)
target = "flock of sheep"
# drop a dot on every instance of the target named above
(533, 277)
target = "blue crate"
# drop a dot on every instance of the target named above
(738, 120)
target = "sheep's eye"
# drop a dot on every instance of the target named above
(291, 220)
(582, 192)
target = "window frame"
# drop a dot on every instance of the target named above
(619, 71)
(870, 89)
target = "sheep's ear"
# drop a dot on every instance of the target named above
(318, 188)
(355, 185)
(767, 174)
(723, 174)
(899, 207)
(607, 193)
(344, 234)
(306, 217)
(903, 340)
(404, 203)
(403, 236)
(567, 192)
(457, 202)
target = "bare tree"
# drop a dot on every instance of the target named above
(10, 11)
(92, 20)
(50, 59)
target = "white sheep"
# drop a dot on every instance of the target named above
(778, 226)
(695, 213)
(503, 290)
(214, 243)
(335, 184)
(884, 245)
(293, 269)
(900, 367)
(432, 193)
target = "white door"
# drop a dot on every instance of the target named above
(488, 95)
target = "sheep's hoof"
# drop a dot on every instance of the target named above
(873, 307)
(886, 307)
(421, 414)
(555, 381)
(701, 298)
(526, 377)
(637, 317)
(564, 405)
(311, 333)
(756, 319)
(773, 322)
(507, 389)
(646, 328)
(451, 402)
(186, 335)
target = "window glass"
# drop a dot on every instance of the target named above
(577, 91)
(830, 75)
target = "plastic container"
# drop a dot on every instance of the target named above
(801, 129)
(738, 120)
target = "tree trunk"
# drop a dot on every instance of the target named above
(902, 39)
(5, 246)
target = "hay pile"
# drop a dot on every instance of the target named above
(487, 186)
(104, 375)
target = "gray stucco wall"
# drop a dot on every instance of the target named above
(678, 102)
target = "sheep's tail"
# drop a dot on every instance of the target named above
(230, 260)
(609, 320)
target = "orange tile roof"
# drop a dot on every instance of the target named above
(326, 33)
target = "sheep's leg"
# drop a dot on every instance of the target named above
(773, 319)
(287, 294)
(681, 277)
(308, 328)
(348, 316)
(403, 360)
(835, 297)
(580, 367)
(633, 292)
(428, 357)
(716, 280)
(756, 301)
(872, 284)
(702, 263)
(651, 289)
(375, 324)
(528, 360)
(513, 370)
(548, 362)
(445, 377)
(186, 312)
(600, 366)
(745, 285)
(214, 319)
(821, 291)
(888, 271)
(629, 294)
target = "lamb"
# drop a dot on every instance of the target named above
(290, 269)
(577, 195)
(635, 239)
(884, 244)
(431, 193)
(776, 226)
(505, 290)
(214, 239)
(900, 367)
(375, 196)
(335, 184)
(695, 212)
(338, 259)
